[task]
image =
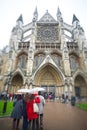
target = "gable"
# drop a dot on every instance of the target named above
(47, 18)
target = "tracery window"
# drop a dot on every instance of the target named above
(38, 59)
(23, 62)
(73, 63)
(57, 59)
(47, 33)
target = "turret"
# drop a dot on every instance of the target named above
(74, 19)
(19, 21)
(77, 32)
(35, 15)
(16, 34)
(59, 15)
(75, 25)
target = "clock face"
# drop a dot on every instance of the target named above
(47, 33)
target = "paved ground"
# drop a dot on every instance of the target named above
(57, 116)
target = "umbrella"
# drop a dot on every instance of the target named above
(36, 89)
(4, 93)
(25, 90)
(18, 93)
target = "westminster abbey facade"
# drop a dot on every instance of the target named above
(47, 53)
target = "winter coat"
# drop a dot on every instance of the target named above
(29, 108)
(17, 110)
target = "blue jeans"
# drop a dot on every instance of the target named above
(25, 124)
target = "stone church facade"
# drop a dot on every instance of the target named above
(46, 53)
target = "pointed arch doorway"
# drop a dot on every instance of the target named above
(49, 78)
(16, 83)
(80, 86)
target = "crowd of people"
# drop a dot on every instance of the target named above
(23, 108)
(66, 99)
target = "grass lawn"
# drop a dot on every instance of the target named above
(82, 106)
(8, 108)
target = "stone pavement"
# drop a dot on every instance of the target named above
(57, 116)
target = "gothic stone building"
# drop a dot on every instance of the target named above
(47, 53)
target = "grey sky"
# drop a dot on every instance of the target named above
(10, 10)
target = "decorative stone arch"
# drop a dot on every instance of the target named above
(17, 81)
(48, 75)
(18, 71)
(56, 52)
(80, 84)
(22, 52)
(57, 57)
(39, 52)
(79, 72)
(38, 58)
(21, 55)
(74, 53)
(74, 60)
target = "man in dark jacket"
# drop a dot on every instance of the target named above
(73, 100)
(25, 121)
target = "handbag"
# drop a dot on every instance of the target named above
(35, 107)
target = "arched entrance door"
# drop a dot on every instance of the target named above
(80, 87)
(49, 78)
(16, 83)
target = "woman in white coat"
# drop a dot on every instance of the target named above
(41, 109)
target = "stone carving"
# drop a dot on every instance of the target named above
(47, 33)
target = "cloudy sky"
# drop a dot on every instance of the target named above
(10, 10)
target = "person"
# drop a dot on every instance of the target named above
(41, 108)
(53, 96)
(66, 99)
(31, 115)
(46, 95)
(73, 100)
(63, 98)
(5, 104)
(25, 121)
(17, 112)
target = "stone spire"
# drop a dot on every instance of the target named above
(74, 18)
(19, 21)
(59, 15)
(35, 15)
(20, 18)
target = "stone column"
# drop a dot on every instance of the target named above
(26, 85)
(6, 87)
(73, 90)
(66, 88)
(30, 86)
